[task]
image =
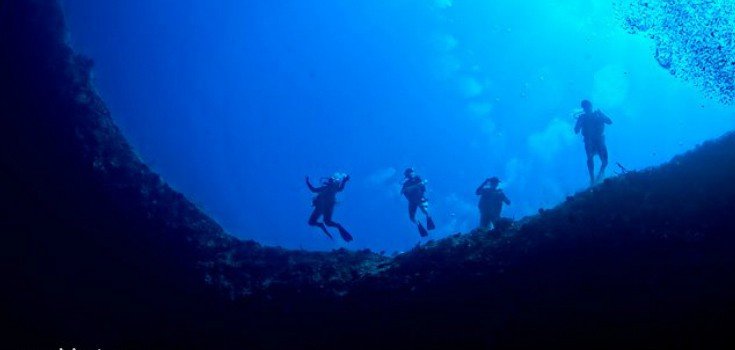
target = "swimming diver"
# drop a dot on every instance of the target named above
(324, 203)
(592, 124)
(414, 189)
(491, 202)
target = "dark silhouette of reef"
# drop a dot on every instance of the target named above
(98, 252)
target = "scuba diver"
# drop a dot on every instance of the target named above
(324, 203)
(491, 202)
(414, 189)
(592, 124)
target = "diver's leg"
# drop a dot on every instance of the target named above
(327, 216)
(424, 208)
(590, 162)
(412, 211)
(314, 221)
(412, 207)
(331, 223)
(494, 219)
(314, 218)
(484, 220)
(429, 221)
(603, 160)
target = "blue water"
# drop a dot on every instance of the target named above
(234, 102)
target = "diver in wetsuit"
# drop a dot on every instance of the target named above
(414, 189)
(324, 203)
(592, 125)
(491, 202)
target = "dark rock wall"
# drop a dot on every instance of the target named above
(97, 251)
(96, 247)
(93, 242)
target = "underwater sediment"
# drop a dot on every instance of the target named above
(99, 251)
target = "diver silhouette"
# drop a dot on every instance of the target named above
(491, 202)
(592, 125)
(414, 189)
(324, 203)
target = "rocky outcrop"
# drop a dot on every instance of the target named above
(94, 242)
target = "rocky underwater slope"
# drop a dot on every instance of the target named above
(97, 251)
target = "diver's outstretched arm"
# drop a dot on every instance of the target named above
(478, 191)
(311, 188)
(605, 118)
(344, 182)
(578, 125)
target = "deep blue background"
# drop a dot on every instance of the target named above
(233, 102)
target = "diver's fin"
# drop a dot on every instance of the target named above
(326, 232)
(422, 230)
(345, 235)
(430, 223)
